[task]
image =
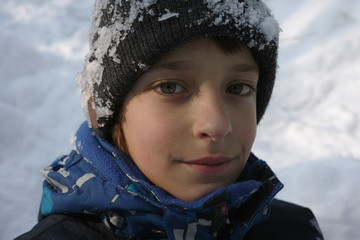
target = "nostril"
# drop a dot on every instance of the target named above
(215, 135)
(204, 135)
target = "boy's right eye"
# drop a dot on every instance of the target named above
(170, 88)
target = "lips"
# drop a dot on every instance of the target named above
(210, 164)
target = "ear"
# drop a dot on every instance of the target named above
(92, 112)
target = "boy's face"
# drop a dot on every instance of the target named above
(190, 121)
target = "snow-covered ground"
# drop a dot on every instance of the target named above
(310, 134)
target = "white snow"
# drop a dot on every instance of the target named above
(106, 39)
(234, 11)
(167, 15)
(310, 134)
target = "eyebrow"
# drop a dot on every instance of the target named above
(173, 65)
(245, 68)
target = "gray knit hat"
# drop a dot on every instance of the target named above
(129, 36)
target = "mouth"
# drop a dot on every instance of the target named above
(210, 164)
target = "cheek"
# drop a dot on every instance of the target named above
(148, 133)
(247, 126)
(250, 134)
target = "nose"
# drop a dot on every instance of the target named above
(212, 122)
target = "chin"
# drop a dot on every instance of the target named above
(195, 194)
(189, 199)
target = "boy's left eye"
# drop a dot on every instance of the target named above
(239, 89)
(169, 88)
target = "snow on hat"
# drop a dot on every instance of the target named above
(129, 36)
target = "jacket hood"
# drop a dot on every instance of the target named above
(96, 178)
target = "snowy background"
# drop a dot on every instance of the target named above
(310, 134)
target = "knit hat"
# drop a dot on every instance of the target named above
(128, 36)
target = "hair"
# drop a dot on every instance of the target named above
(227, 44)
(117, 133)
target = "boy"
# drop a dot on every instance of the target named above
(173, 92)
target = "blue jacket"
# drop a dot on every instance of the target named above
(100, 193)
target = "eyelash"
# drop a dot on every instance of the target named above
(248, 88)
(180, 89)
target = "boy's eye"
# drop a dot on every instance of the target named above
(170, 88)
(239, 89)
